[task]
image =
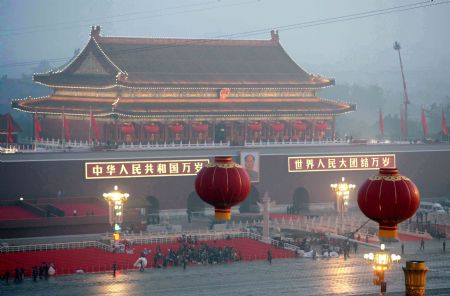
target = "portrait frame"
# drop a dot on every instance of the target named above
(246, 164)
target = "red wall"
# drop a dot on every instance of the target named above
(429, 170)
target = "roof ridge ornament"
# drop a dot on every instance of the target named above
(95, 31)
(274, 36)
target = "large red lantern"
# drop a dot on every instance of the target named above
(222, 184)
(299, 125)
(152, 128)
(176, 128)
(321, 125)
(388, 198)
(277, 127)
(200, 127)
(127, 128)
(255, 127)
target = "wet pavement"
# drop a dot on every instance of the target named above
(283, 277)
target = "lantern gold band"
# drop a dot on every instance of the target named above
(387, 232)
(388, 178)
(223, 165)
(223, 214)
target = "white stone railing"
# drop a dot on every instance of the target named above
(166, 146)
(331, 224)
(269, 143)
(201, 235)
(55, 246)
(57, 145)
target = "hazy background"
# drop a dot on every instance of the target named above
(357, 53)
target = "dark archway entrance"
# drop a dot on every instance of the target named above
(220, 133)
(300, 200)
(195, 205)
(250, 204)
(152, 210)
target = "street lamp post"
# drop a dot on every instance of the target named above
(381, 261)
(342, 190)
(116, 200)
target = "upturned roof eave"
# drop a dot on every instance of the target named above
(43, 79)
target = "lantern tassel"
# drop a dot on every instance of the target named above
(222, 214)
(387, 231)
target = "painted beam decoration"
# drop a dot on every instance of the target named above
(147, 168)
(303, 164)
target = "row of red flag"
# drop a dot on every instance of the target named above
(93, 126)
(423, 119)
(66, 127)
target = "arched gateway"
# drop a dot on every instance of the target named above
(300, 200)
(250, 204)
(152, 210)
(195, 205)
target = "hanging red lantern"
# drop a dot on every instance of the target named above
(388, 198)
(299, 125)
(176, 128)
(277, 127)
(321, 125)
(255, 127)
(222, 184)
(127, 128)
(152, 128)
(200, 127)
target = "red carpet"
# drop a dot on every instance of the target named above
(93, 260)
(16, 213)
(83, 209)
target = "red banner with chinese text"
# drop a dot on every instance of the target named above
(339, 163)
(139, 169)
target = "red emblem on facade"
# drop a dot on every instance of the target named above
(224, 93)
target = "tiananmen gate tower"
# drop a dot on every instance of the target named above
(165, 90)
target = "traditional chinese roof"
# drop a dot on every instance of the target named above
(190, 107)
(161, 62)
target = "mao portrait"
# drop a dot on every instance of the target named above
(250, 161)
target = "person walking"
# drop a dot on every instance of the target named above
(403, 248)
(422, 244)
(114, 269)
(17, 275)
(443, 246)
(35, 273)
(269, 256)
(7, 277)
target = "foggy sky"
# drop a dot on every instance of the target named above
(358, 51)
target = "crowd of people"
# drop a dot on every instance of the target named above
(42, 272)
(191, 251)
(322, 245)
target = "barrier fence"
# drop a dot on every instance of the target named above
(55, 246)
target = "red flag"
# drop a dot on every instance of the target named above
(402, 123)
(444, 126)
(10, 129)
(424, 124)
(381, 123)
(66, 127)
(95, 127)
(37, 127)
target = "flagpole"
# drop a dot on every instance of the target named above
(90, 124)
(63, 140)
(397, 47)
(8, 128)
(34, 130)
